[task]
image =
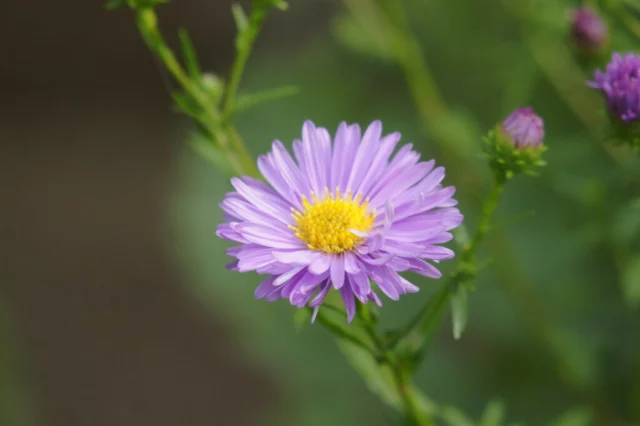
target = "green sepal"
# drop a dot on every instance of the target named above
(507, 160)
(622, 133)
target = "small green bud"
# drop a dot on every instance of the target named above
(213, 86)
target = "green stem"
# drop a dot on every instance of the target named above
(395, 30)
(148, 27)
(247, 162)
(244, 44)
(406, 392)
(216, 125)
(342, 333)
(419, 333)
(488, 209)
(401, 378)
(411, 59)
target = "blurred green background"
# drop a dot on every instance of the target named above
(116, 308)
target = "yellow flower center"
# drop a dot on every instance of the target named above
(325, 224)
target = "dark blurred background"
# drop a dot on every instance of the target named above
(115, 308)
(101, 329)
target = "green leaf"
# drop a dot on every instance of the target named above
(245, 102)
(302, 318)
(189, 54)
(454, 417)
(207, 150)
(578, 416)
(631, 282)
(493, 414)
(242, 21)
(186, 105)
(378, 377)
(414, 341)
(380, 380)
(459, 308)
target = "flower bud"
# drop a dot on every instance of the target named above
(588, 30)
(524, 128)
(620, 85)
(515, 145)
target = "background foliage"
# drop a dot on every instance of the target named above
(553, 329)
(549, 328)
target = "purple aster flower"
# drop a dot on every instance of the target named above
(341, 214)
(524, 128)
(588, 29)
(621, 86)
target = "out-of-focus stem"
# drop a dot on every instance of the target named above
(222, 129)
(632, 24)
(244, 44)
(390, 25)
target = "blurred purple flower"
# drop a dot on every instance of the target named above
(620, 83)
(524, 128)
(588, 30)
(339, 215)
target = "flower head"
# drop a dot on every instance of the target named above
(620, 83)
(588, 30)
(341, 214)
(515, 145)
(524, 128)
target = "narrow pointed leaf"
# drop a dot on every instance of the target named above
(189, 54)
(459, 308)
(247, 101)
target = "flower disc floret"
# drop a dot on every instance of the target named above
(328, 225)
